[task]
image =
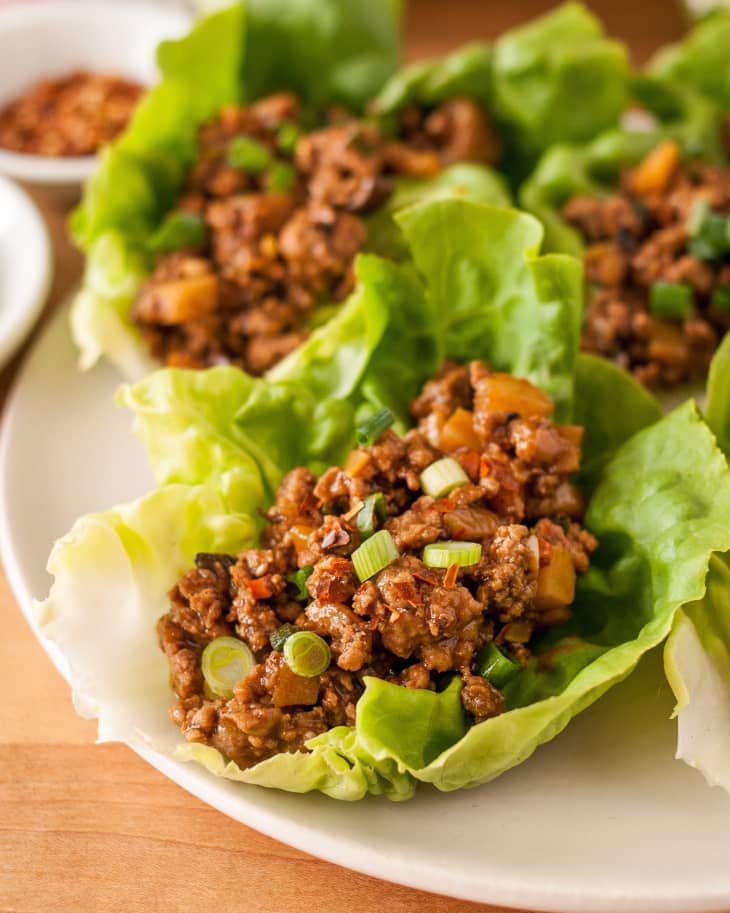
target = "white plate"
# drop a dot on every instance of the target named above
(601, 819)
(25, 266)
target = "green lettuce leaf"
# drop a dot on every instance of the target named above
(697, 665)
(660, 511)
(558, 79)
(595, 167)
(488, 295)
(717, 403)
(701, 60)
(466, 71)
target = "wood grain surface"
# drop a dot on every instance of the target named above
(93, 829)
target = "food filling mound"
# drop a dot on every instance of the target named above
(428, 556)
(73, 115)
(659, 260)
(271, 221)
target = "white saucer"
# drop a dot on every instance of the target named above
(26, 265)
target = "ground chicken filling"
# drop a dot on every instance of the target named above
(281, 213)
(512, 503)
(73, 115)
(658, 259)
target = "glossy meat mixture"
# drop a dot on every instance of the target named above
(409, 623)
(285, 220)
(660, 302)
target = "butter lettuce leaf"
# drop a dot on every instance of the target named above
(701, 60)
(484, 293)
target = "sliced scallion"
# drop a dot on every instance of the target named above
(247, 155)
(225, 662)
(373, 427)
(374, 554)
(281, 177)
(179, 231)
(298, 581)
(709, 232)
(373, 507)
(495, 666)
(443, 476)
(307, 654)
(444, 554)
(279, 637)
(287, 137)
(671, 300)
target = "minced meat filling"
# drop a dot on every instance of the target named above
(660, 302)
(284, 219)
(409, 623)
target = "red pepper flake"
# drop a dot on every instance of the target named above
(546, 552)
(262, 587)
(450, 576)
(485, 467)
(429, 580)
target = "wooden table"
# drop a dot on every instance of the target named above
(86, 829)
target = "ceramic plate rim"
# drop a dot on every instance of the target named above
(286, 829)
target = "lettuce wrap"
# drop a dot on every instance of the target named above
(337, 52)
(660, 500)
(675, 112)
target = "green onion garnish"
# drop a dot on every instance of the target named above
(247, 155)
(720, 298)
(281, 177)
(373, 506)
(373, 427)
(444, 554)
(709, 232)
(307, 654)
(287, 137)
(298, 580)
(225, 662)
(442, 477)
(279, 637)
(179, 231)
(374, 554)
(671, 300)
(493, 665)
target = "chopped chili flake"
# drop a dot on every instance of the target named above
(394, 616)
(262, 587)
(450, 576)
(429, 580)
(485, 467)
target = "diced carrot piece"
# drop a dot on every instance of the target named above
(655, 172)
(504, 393)
(184, 299)
(291, 690)
(556, 581)
(299, 537)
(459, 432)
(357, 463)
(261, 587)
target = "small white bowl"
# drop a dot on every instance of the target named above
(25, 266)
(51, 38)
